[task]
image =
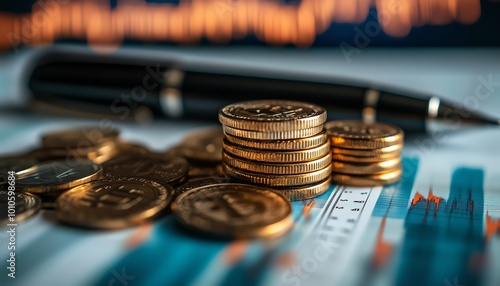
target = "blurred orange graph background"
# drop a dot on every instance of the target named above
(219, 21)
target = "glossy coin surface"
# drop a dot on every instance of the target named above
(273, 135)
(203, 145)
(365, 168)
(170, 170)
(14, 163)
(277, 156)
(368, 152)
(292, 144)
(359, 135)
(298, 193)
(277, 168)
(366, 159)
(279, 180)
(200, 182)
(83, 137)
(113, 203)
(272, 115)
(234, 210)
(51, 178)
(369, 180)
(25, 205)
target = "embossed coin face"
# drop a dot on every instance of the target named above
(51, 178)
(272, 115)
(25, 206)
(113, 203)
(359, 135)
(83, 137)
(203, 145)
(234, 210)
(170, 170)
(200, 182)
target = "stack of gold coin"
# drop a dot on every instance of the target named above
(365, 154)
(277, 143)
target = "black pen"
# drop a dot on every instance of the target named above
(119, 85)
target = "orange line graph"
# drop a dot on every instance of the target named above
(383, 249)
(430, 199)
(492, 226)
(308, 204)
(219, 21)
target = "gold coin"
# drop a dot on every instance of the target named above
(204, 170)
(234, 210)
(368, 152)
(168, 170)
(113, 203)
(365, 168)
(22, 207)
(273, 135)
(277, 156)
(200, 182)
(97, 154)
(52, 178)
(378, 179)
(203, 145)
(366, 159)
(298, 193)
(129, 147)
(277, 168)
(359, 135)
(272, 115)
(278, 180)
(82, 137)
(15, 164)
(292, 144)
(48, 202)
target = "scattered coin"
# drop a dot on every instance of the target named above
(272, 115)
(24, 206)
(81, 137)
(169, 170)
(52, 178)
(203, 145)
(113, 203)
(234, 210)
(359, 135)
(200, 182)
(14, 163)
